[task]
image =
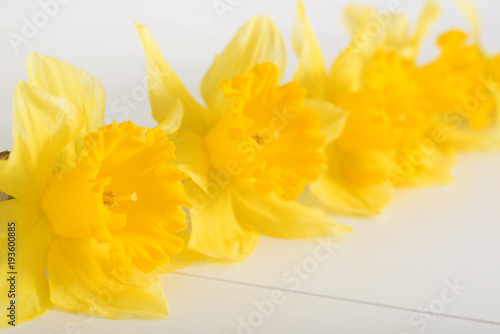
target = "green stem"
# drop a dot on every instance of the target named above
(4, 156)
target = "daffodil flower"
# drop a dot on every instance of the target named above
(462, 88)
(251, 151)
(389, 136)
(94, 205)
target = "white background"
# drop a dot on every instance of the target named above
(377, 280)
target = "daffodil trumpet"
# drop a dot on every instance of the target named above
(462, 87)
(388, 129)
(94, 206)
(251, 150)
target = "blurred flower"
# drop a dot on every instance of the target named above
(251, 151)
(95, 205)
(461, 87)
(389, 135)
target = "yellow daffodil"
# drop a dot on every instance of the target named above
(253, 148)
(461, 86)
(94, 205)
(389, 136)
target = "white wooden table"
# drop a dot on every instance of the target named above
(429, 264)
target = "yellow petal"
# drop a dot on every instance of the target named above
(471, 14)
(32, 241)
(187, 257)
(332, 119)
(396, 36)
(271, 216)
(361, 21)
(392, 33)
(461, 138)
(346, 72)
(311, 71)
(347, 69)
(165, 87)
(58, 78)
(356, 17)
(83, 280)
(192, 158)
(354, 182)
(428, 16)
(425, 169)
(486, 140)
(43, 125)
(173, 121)
(258, 41)
(216, 232)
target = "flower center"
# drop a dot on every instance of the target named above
(259, 139)
(267, 135)
(111, 199)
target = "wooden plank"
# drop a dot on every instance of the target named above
(200, 305)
